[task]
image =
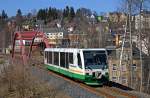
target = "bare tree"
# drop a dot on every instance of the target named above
(135, 5)
(140, 7)
(19, 19)
(16, 81)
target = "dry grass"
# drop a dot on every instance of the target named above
(17, 82)
(2, 61)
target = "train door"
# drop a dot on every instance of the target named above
(78, 69)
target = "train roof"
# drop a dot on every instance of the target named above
(72, 49)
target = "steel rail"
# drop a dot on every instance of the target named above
(84, 86)
(119, 91)
(99, 92)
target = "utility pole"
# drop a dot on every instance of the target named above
(148, 80)
(122, 49)
(140, 42)
(130, 32)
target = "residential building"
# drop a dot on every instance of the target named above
(116, 17)
(57, 37)
(145, 20)
(122, 72)
(77, 40)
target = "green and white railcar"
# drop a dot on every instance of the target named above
(87, 65)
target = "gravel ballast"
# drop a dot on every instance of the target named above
(72, 90)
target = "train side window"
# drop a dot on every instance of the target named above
(67, 60)
(71, 58)
(50, 57)
(79, 60)
(46, 56)
(56, 58)
(62, 59)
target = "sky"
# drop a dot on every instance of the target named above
(11, 6)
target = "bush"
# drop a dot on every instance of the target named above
(17, 82)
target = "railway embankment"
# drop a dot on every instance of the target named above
(78, 90)
(4, 62)
(73, 90)
(37, 81)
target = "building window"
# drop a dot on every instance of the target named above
(114, 73)
(134, 67)
(114, 79)
(134, 79)
(124, 80)
(114, 67)
(123, 66)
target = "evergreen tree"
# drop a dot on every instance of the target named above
(66, 12)
(19, 13)
(19, 18)
(42, 14)
(49, 14)
(39, 14)
(72, 13)
(4, 15)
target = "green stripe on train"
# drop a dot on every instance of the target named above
(88, 79)
(65, 72)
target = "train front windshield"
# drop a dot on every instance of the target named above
(95, 59)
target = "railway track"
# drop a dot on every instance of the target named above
(117, 92)
(88, 88)
(104, 91)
